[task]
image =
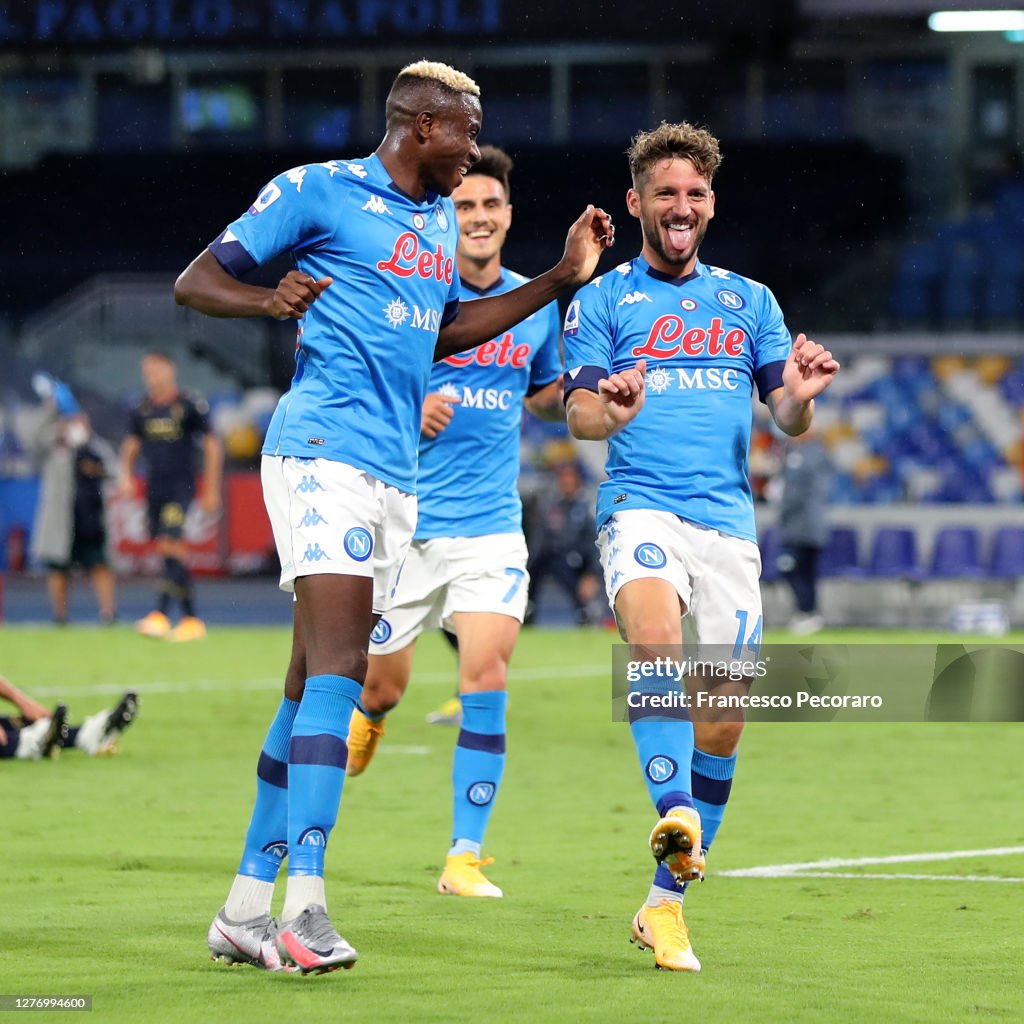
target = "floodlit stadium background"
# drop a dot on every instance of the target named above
(873, 179)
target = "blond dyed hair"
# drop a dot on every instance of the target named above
(674, 142)
(443, 74)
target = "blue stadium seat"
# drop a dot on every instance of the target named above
(894, 554)
(1007, 559)
(839, 557)
(956, 554)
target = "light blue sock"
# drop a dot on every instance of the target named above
(266, 841)
(477, 766)
(665, 748)
(316, 768)
(711, 777)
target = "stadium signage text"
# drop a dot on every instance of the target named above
(668, 337)
(275, 21)
(407, 259)
(500, 352)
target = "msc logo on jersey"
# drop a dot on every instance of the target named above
(313, 837)
(396, 312)
(308, 484)
(633, 297)
(660, 769)
(700, 378)
(572, 318)
(730, 299)
(375, 205)
(312, 518)
(486, 398)
(650, 556)
(314, 553)
(480, 793)
(270, 194)
(658, 380)
(381, 632)
(359, 543)
(442, 217)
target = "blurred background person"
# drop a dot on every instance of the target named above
(803, 525)
(70, 525)
(166, 429)
(561, 538)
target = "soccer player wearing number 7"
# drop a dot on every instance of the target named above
(466, 569)
(664, 353)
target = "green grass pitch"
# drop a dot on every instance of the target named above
(113, 868)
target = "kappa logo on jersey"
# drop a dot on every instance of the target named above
(381, 632)
(270, 194)
(359, 543)
(312, 518)
(407, 259)
(669, 337)
(572, 319)
(375, 205)
(730, 299)
(396, 312)
(296, 176)
(634, 297)
(661, 768)
(499, 352)
(357, 169)
(442, 217)
(480, 794)
(308, 485)
(650, 556)
(314, 553)
(719, 272)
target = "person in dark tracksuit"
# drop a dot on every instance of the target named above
(803, 524)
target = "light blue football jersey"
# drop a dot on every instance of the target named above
(708, 339)
(365, 347)
(468, 473)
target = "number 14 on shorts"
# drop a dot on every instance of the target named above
(753, 638)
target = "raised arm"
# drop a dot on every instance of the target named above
(809, 369)
(482, 319)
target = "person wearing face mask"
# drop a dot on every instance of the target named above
(70, 525)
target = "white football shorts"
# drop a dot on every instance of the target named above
(716, 576)
(331, 518)
(446, 575)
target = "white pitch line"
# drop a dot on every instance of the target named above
(521, 675)
(813, 868)
(411, 751)
(918, 878)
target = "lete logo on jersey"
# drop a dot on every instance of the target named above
(407, 259)
(500, 352)
(669, 337)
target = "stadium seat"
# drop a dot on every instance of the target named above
(1007, 559)
(839, 557)
(894, 554)
(956, 554)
